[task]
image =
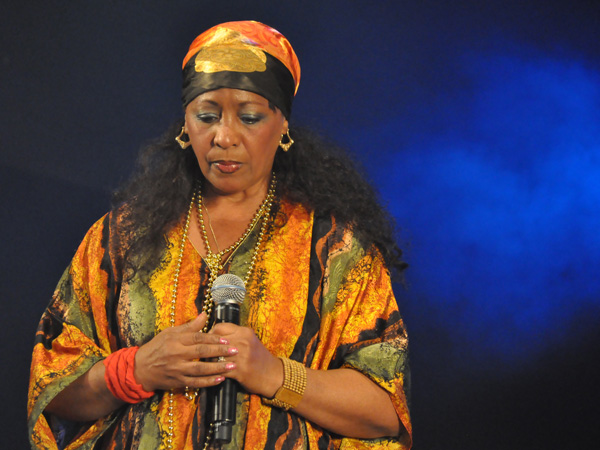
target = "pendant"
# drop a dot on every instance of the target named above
(214, 262)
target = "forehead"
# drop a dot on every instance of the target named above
(230, 96)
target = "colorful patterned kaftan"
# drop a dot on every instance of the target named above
(316, 297)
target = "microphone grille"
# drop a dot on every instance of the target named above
(228, 287)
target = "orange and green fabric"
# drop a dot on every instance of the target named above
(316, 296)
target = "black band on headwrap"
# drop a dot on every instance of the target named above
(276, 83)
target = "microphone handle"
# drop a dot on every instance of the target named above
(224, 400)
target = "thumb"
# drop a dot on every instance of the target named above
(195, 324)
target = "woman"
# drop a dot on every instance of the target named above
(126, 352)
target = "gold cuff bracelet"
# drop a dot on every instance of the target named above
(294, 382)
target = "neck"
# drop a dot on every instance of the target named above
(250, 198)
(231, 217)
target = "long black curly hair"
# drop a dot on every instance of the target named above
(315, 173)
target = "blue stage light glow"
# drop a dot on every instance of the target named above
(501, 202)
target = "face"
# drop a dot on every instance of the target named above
(235, 135)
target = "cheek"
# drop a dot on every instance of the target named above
(200, 149)
(272, 139)
(198, 140)
(269, 148)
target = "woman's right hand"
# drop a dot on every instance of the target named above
(176, 358)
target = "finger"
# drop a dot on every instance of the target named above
(198, 337)
(194, 325)
(203, 351)
(224, 328)
(203, 382)
(208, 369)
(198, 346)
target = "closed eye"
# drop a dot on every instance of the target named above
(251, 119)
(207, 117)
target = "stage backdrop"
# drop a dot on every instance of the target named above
(479, 123)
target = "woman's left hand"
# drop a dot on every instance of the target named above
(256, 369)
(343, 401)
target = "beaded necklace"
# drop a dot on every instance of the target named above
(214, 260)
(215, 265)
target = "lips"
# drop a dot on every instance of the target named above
(227, 166)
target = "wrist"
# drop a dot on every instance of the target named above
(273, 378)
(138, 373)
(290, 393)
(120, 378)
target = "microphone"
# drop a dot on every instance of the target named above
(228, 292)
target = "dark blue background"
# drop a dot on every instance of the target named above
(479, 122)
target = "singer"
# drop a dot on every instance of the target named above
(128, 355)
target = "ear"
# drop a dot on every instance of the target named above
(285, 126)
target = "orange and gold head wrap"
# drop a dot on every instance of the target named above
(244, 55)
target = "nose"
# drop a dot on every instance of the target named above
(226, 134)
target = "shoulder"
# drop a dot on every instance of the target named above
(337, 246)
(103, 240)
(106, 227)
(96, 234)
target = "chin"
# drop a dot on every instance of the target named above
(225, 184)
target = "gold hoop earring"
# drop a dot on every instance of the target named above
(286, 146)
(183, 144)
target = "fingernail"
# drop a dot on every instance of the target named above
(219, 379)
(230, 366)
(232, 351)
(224, 341)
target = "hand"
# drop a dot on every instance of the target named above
(173, 358)
(256, 369)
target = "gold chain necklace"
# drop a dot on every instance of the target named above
(213, 260)
(211, 229)
(214, 267)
